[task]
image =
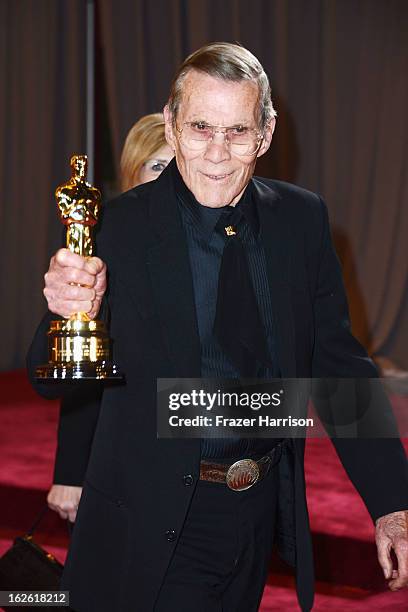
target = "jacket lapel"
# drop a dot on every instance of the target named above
(275, 236)
(170, 274)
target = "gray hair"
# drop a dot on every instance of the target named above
(230, 62)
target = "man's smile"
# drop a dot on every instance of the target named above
(216, 177)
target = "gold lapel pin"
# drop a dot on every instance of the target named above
(230, 230)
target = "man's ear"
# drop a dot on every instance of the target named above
(168, 127)
(267, 138)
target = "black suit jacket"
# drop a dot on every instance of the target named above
(135, 498)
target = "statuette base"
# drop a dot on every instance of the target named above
(78, 349)
(78, 371)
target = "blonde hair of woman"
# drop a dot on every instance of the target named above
(145, 153)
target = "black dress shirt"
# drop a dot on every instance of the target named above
(205, 246)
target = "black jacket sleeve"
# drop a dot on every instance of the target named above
(376, 466)
(79, 411)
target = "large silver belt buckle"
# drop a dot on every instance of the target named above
(242, 474)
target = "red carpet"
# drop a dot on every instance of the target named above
(348, 576)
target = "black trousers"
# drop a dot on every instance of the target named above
(221, 560)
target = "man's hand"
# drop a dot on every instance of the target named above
(391, 532)
(64, 500)
(74, 284)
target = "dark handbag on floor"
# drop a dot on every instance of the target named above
(26, 566)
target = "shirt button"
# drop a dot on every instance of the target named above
(188, 480)
(171, 535)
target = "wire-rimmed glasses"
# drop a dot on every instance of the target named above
(241, 140)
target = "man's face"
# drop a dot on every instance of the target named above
(215, 175)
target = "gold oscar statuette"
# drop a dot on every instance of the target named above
(78, 347)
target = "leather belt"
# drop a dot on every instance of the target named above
(242, 474)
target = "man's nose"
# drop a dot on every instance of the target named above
(217, 149)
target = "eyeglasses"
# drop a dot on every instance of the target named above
(241, 140)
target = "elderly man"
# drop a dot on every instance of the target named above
(158, 527)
